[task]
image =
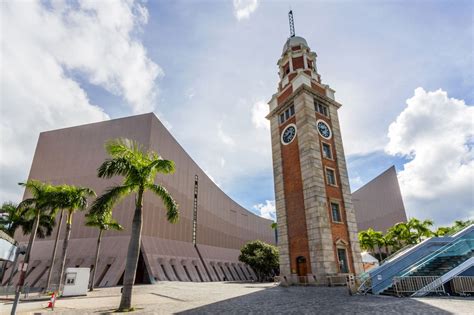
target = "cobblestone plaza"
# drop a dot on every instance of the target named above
(246, 298)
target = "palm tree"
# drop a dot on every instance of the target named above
(379, 240)
(401, 235)
(103, 222)
(421, 228)
(73, 198)
(369, 239)
(43, 201)
(459, 225)
(53, 255)
(139, 169)
(11, 218)
(21, 219)
(456, 227)
(388, 242)
(442, 230)
(366, 240)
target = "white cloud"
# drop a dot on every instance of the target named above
(229, 146)
(243, 8)
(436, 133)
(259, 112)
(41, 47)
(356, 182)
(224, 137)
(266, 210)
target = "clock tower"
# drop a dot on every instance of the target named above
(317, 231)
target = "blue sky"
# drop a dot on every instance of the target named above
(199, 65)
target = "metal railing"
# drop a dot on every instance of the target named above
(404, 286)
(366, 285)
(463, 285)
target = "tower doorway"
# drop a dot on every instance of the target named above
(301, 269)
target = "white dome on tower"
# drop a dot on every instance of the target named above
(294, 41)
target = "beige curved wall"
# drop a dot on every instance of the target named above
(72, 156)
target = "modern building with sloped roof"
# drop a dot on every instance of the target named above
(379, 203)
(72, 156)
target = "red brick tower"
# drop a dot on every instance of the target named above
(317, 230)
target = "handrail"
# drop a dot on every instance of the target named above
(365, 286)
(432, 256)
(408, 246)
(398, 252)
(402, 258)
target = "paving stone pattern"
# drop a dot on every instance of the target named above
(245, 298)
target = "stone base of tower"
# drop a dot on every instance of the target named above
(339, 279)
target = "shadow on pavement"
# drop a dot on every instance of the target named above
(314, 300)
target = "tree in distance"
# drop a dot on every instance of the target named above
(263, 258)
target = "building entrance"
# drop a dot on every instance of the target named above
(301, 268)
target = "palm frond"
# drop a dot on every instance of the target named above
(163, 166)
(115, 226)
(171, 206)
(120, 166)
(109, 198)
(27, 203)
(33, 186)
(103, 221)
(45, 227)
(123, 147)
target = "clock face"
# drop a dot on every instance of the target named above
(288, 134)
(323, 129)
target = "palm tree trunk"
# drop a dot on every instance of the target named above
(53, 256)
(26, 261)
(132, 255)
(380, 253)
(96, 264)
(65, 245)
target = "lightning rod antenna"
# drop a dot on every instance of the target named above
(292, 23)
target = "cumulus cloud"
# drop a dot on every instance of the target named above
(436, 133)
(45, 48)
(266, 210)
(259, 112)
(243, 8)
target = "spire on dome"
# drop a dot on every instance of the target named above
(292, 23)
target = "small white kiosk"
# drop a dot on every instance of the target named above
(76, 282)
